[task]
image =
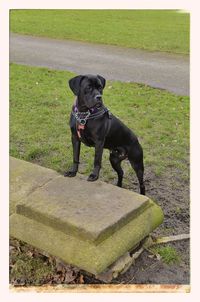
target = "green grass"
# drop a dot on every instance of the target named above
(40, 104)
(168, 254)
(30, 269)
(157, 30)
(27, 265)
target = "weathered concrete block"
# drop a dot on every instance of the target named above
(90, 211)
(25, 178)
(89, 225)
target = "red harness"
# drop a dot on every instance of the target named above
(78, 128)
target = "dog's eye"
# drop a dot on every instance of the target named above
(88, 88)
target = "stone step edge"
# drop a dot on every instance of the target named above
(70, 229)
(82, 253)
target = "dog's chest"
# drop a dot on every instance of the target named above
(86, 136)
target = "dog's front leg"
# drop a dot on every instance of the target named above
(97, 161)
(76, 153)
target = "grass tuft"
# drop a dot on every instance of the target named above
(168, 254)
(29, 268)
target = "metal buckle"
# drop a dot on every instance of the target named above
(82, 122)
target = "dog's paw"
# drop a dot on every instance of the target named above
(92, 177)
(69, 174)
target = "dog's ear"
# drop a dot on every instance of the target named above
(74, 84)
(103, 81)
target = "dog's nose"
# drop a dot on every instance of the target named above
(98, 97)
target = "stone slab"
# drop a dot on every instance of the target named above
(90, 211)
(83, 253)
(25, 177)
(89, 225)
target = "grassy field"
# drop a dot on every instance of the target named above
(40, 104)
(159, 30)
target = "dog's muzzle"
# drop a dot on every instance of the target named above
(98, 97)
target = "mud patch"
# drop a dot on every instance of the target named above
(172, 194)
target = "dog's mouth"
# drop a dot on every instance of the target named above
(96, 106)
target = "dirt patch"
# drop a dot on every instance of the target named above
(172, 194)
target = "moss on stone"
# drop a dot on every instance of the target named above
(82, 253)
(88, 225)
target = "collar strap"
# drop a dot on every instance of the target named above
(93, 113)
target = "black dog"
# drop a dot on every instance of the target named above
(93, 124)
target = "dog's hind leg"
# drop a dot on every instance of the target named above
(115, 161)
(136, 160)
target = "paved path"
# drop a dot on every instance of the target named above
(160, 70)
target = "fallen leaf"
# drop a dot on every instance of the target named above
(81, 279)
(151, 256)
(69, 277)
(158, 257)
(30, 254)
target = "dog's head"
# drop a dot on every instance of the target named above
(88, 89)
